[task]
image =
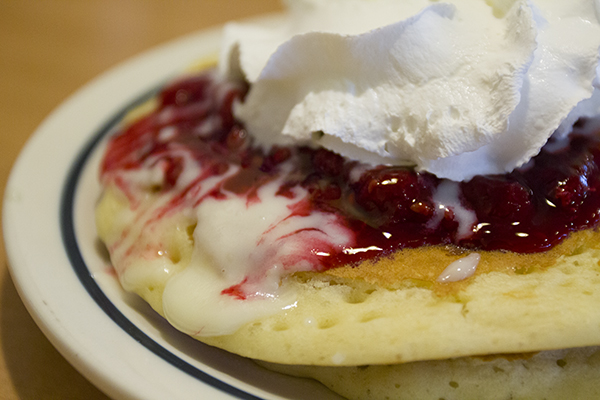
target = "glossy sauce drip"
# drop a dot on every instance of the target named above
(388, 208)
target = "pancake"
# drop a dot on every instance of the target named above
(169, 222)
(550, 375)
(393, 310)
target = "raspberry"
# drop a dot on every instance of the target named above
(499, 198)
(397, 194)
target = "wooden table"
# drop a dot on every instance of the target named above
(48, 49)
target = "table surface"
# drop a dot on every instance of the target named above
(48, 50)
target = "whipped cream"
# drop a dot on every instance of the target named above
(456, 88)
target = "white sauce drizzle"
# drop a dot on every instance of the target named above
(276, 242)
(446, 197)
(338, 358)
(460, 269)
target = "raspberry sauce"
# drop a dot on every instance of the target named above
(387, 207)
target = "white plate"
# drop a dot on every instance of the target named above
(64, 278)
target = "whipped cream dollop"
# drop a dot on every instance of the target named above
(457, 88)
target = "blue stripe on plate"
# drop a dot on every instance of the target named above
(84, 275)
